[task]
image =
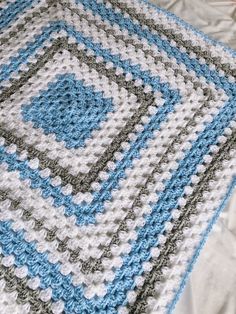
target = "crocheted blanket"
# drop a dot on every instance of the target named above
(117, 153)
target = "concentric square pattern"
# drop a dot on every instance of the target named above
(117, 134)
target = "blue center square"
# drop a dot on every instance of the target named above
(69, 109)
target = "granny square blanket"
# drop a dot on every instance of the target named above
(117, 154)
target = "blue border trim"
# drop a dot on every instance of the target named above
(195, 256)
(188, 26)
(10, 13)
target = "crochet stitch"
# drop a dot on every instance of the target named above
(117, 152)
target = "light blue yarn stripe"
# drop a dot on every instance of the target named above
(83, 110)
(190, 27)
(38, 265)
(127, 24)
(24, 53)
(140, 143)
(172, 304)
(126, 268)
(97, 48)
(25, 253)
(119, 63)
(86, 213)
(108, 56)
(10, 13)
(68, 290)
(136, 71)
(161, 211)
(59, 199)
(213, 76)
(195, 256)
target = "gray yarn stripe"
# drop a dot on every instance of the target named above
(139, 306)
(16, 84)
(115, 239)
(178, 38)
(96, 264)
(92, 264)
(139, 46)
(57, 170)
(144, 191)
(160, 28)
(146, 100)
(32, 152)
(63, 173)
(39, 225)
(24, 293)
(23, 26)
(81, 183)
(176, 233)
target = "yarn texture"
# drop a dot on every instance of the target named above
(117, 154)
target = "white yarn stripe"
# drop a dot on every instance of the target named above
(21, 17)
(99, 288)
(186, 250)
(54, 256)
(150, 158)
(114, 205)
(192, 235)
(5, 4)
(81, 26)
(75, 159)
(220, 140)
(151, 13)
(40, 208)
(129, 53)
(9, 300)
(156, 72)
(147, 63)
(96, 240)
(23, 38)
(9, 303)
(158, 142)
(123, 49)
